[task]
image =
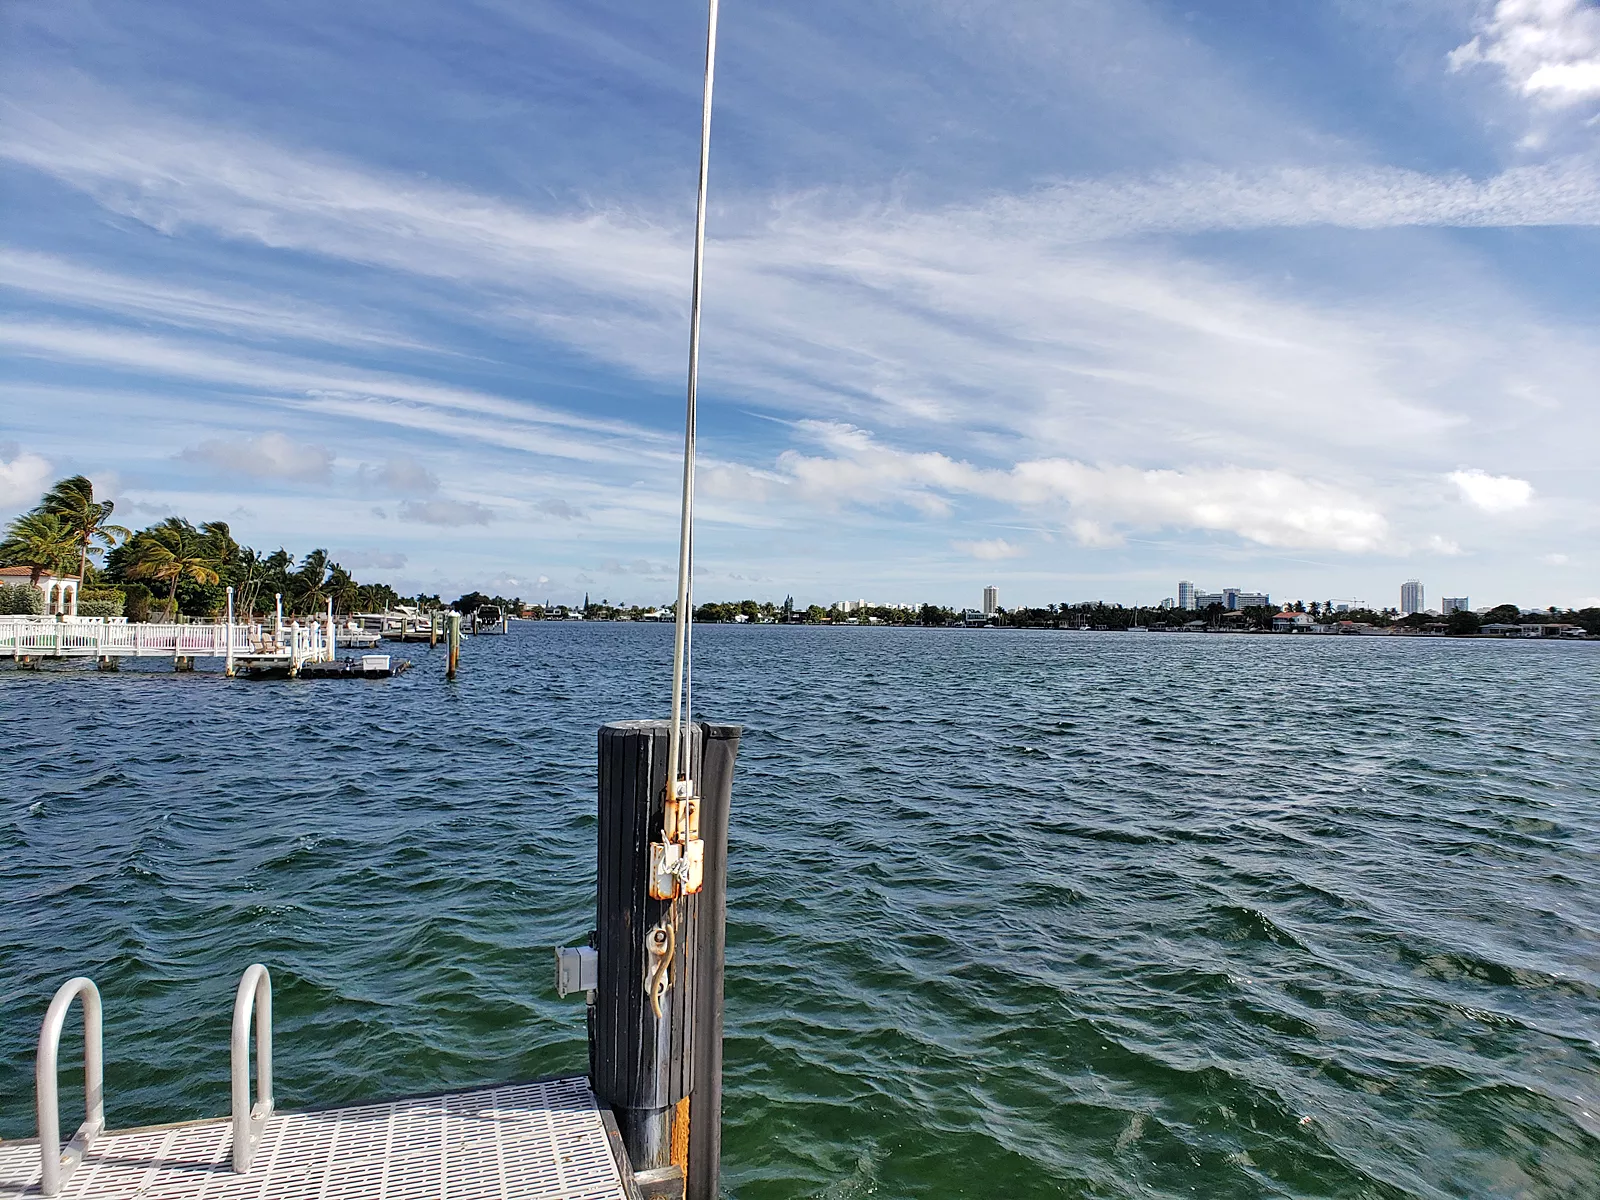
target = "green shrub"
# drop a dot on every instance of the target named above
(100, 602)
(21, 600)
(136, 601)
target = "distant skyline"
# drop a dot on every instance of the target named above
(1072, 298)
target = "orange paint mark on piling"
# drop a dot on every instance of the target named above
(680, 1136)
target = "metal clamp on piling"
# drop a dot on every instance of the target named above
(255, 992)
(55, 1163)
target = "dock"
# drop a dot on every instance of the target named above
(266, 647)
(546, 1139)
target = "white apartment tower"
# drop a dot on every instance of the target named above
(1186, 595)
(1410, 597)
(1455, 604)
(991, 600)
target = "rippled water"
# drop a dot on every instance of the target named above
(1011, 913)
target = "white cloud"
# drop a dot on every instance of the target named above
(1557, 560)
(1548, 49)
(270, 455)
(23, 478)
(641, 568)
(1438, 544)
(400, 475)
(556, 507)
(989, 549)
(446, 512)
(1271, 508)
(1492, 493)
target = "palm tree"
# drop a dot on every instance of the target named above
(249, 570)
(275, 571)
(72, 502)
(221, 540)
(307, 583)
(41, 541)
(342, 587)
(172, 552)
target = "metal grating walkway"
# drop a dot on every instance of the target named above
(544, 1140)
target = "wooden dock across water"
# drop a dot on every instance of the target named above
(548, 1139)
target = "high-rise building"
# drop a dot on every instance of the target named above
(1186, 595)
(991, 601)
(1410, 597)
(1456, 604)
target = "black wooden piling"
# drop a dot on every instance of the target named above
(720, 749)
(646, 1067)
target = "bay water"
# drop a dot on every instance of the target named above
(1011, 913)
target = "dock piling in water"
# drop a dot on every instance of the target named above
(227, 668)
(655, 1027)
(453, 645)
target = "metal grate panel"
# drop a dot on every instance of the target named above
(535, 1140)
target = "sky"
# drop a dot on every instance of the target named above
(1072, 297)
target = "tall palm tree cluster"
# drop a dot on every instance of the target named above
(186, 568)
(61, 532)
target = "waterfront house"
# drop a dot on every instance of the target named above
(60, 594)
(1291, 622)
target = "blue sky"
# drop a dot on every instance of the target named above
(1074, 298)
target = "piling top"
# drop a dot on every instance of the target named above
(712, 729)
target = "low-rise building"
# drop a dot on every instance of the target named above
(60, 592)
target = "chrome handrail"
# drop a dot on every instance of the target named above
(55, 1163)
(255, 992)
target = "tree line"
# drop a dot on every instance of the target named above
(1102, 616)
(170, 568)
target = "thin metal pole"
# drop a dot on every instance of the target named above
(683, 615)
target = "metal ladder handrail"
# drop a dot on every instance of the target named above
(56, 1164)
(255, 992)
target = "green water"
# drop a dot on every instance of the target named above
(1011, 914)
